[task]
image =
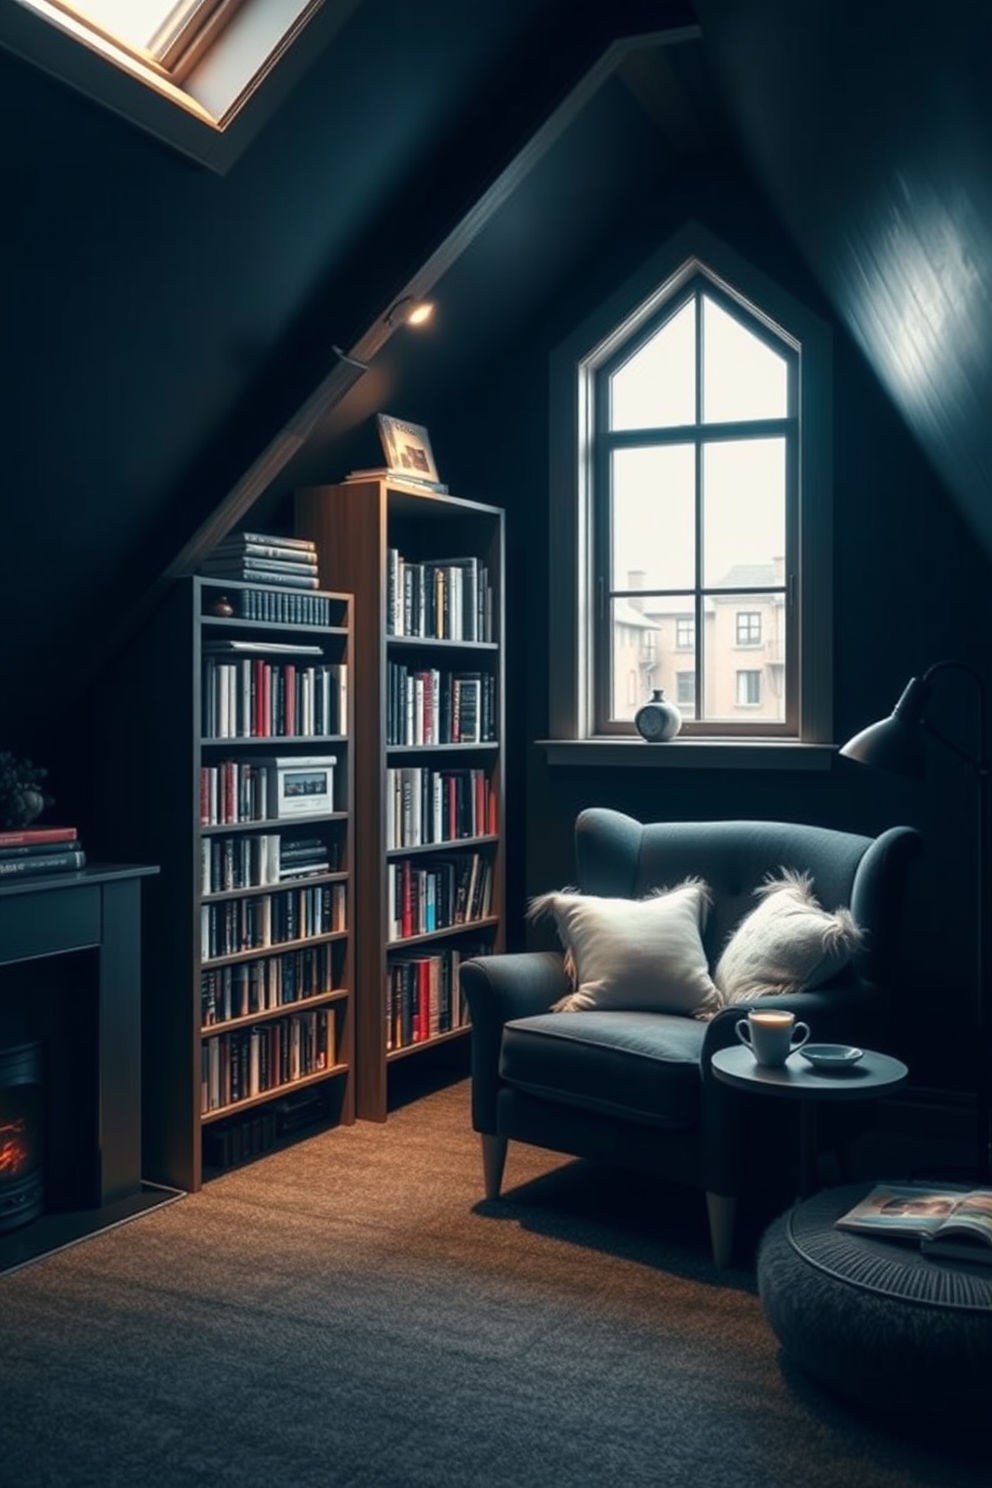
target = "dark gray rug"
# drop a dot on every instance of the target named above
(348, 1313)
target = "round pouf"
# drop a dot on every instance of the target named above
(876, 1320)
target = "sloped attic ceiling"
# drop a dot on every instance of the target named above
(167, 325)
(869, 127)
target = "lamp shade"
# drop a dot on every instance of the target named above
(895, 744)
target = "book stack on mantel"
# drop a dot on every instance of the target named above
(264, 559)
(28, 851)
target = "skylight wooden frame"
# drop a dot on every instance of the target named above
(237, 47)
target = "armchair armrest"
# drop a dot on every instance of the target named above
(499, 988)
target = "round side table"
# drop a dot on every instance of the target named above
(873, 1076)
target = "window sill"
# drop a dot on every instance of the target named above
(691, 754)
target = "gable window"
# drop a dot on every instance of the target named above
(696, 494)
(695, 440)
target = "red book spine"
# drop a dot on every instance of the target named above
(289, 673)
(267, 702)
(27, 835)
(256, 723)
(424, 1008)
(406, 899)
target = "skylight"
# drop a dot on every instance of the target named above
(141, 23)
(200, 74)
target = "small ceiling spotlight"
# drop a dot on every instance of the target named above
(409, 310)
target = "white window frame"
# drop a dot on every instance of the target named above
(210, 112)
(572, 739)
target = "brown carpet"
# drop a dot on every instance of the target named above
(348, 1313)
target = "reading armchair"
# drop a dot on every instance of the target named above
(632, 1085)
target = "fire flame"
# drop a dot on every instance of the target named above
(13, 1148)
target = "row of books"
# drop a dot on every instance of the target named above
(247, 1062)
(253, 698)
(443, 599)
(427, 806)
(424, 897)
(429, 706)
(263, 920)
(229, 863)
(424, 997)
(247, 988)
(258, 557)
(29, 851)
(277, 606)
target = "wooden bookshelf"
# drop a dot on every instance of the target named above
(248, 975)
(367, 531)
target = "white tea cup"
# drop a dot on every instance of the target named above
(772, 1034)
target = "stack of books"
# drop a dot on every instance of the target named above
(33, 850)
(258, 558)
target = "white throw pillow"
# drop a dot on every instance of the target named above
(645, 954)
(788, 944)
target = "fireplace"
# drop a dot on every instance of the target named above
(22, 1134)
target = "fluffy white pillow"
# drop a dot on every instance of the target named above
(788, 944)
(645, 954)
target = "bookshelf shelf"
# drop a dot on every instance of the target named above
(426, 569)
(448, 932)
(248, 891)
(319, 999)
(236, 1020)
(277, 947)
(276, 1092)
(449, 843)
(269, 823)
(392, 1055)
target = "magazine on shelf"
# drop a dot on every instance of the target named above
(947, 1221)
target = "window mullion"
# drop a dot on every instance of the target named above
(699, 712)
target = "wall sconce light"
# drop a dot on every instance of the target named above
(409, 310)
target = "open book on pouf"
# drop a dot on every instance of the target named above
(950, 1222)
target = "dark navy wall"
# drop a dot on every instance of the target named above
(160, 324)
(909, 581)
(870, 127)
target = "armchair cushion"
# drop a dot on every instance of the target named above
(638, 1066)
(632, 954)
(788, 944)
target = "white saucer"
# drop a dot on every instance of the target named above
(831, 1056)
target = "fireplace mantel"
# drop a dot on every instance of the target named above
(96, 910)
